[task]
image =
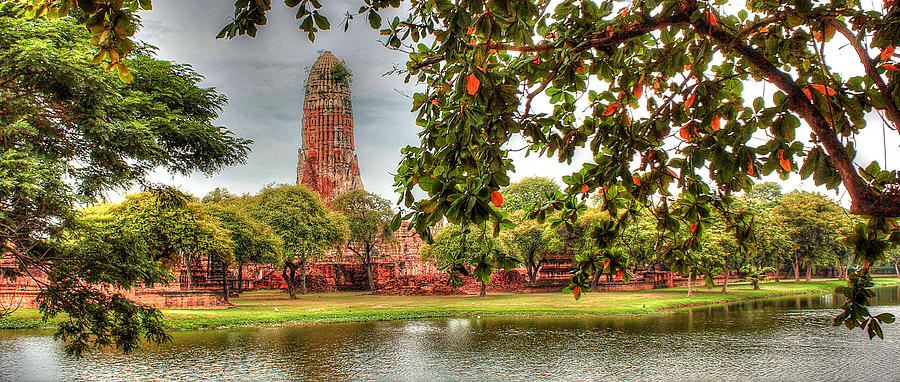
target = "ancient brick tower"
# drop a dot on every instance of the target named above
(327, 161)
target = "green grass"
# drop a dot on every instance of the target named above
(259, 308)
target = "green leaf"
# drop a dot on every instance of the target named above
(374, 19)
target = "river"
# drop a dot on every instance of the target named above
(777, 339)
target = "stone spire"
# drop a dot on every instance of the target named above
(327, 160)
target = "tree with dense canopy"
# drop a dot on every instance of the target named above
(669, 119)
(529, 240)
(70, 132)
(254, 242)
(464, 252)
(369, 217)
(815, 226)
(306, 227)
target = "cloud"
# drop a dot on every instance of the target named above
(263, 79)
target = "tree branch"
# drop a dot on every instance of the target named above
(869, 64)
(865, 200)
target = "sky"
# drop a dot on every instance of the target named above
(263, 80)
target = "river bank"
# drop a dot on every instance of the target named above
(272, 308)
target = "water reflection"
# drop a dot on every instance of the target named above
(782, 339)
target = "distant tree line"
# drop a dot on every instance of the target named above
(798, 231)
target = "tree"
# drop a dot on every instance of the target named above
(70, 132)
(756, 275)
(772, 243)
(306, 227)
(814, 224)
(369, 217)
(463, 252)
(527, 192)
(766, 193)
(113, 247)
(683, 62)
(254, 242)
(528, 242)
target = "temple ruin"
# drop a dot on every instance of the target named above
(327, 161)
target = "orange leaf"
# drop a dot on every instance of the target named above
(435, 102)
(415, 180)
(656, 85)
(785, 164)
(606, 263)
(497, 198)
(637, 181)
(492, 51)
(619, 274)
(715, 123)
(690, 101)
(576, 291)
(817, 36)
(890, 67)
(824, 89)
(763, 30)
(472, 84)
(887, 52)
(584, 188)
(686, 131)
(750, 171)
(580, 69)
(536, 60)
(549, 36)
(711, 17)
(695, 226)
(470, 31)
(687, 67)
(808, 93)
(637, 90)
(611, 109)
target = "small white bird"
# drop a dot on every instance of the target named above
(276, 308)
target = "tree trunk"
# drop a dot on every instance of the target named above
(529, 270)
(240, 279)
(190, 269)
(369, 275)
(595, 280)
(777, 270)
(303, 277)
(225, 280)
(689, 282)
(796, 269)
(725, 285)
(289, 279)
(808, 272)
(897, 269)
(483, 289)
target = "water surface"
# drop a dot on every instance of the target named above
(779, 339)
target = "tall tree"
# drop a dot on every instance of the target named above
(118, 245)
(369, 217)
(814, 224)
(254, 242)
(528, 242)
(70, 132)
(306, 227)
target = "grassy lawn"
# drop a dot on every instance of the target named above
(261, 308)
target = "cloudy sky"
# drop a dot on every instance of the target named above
(263, 79)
